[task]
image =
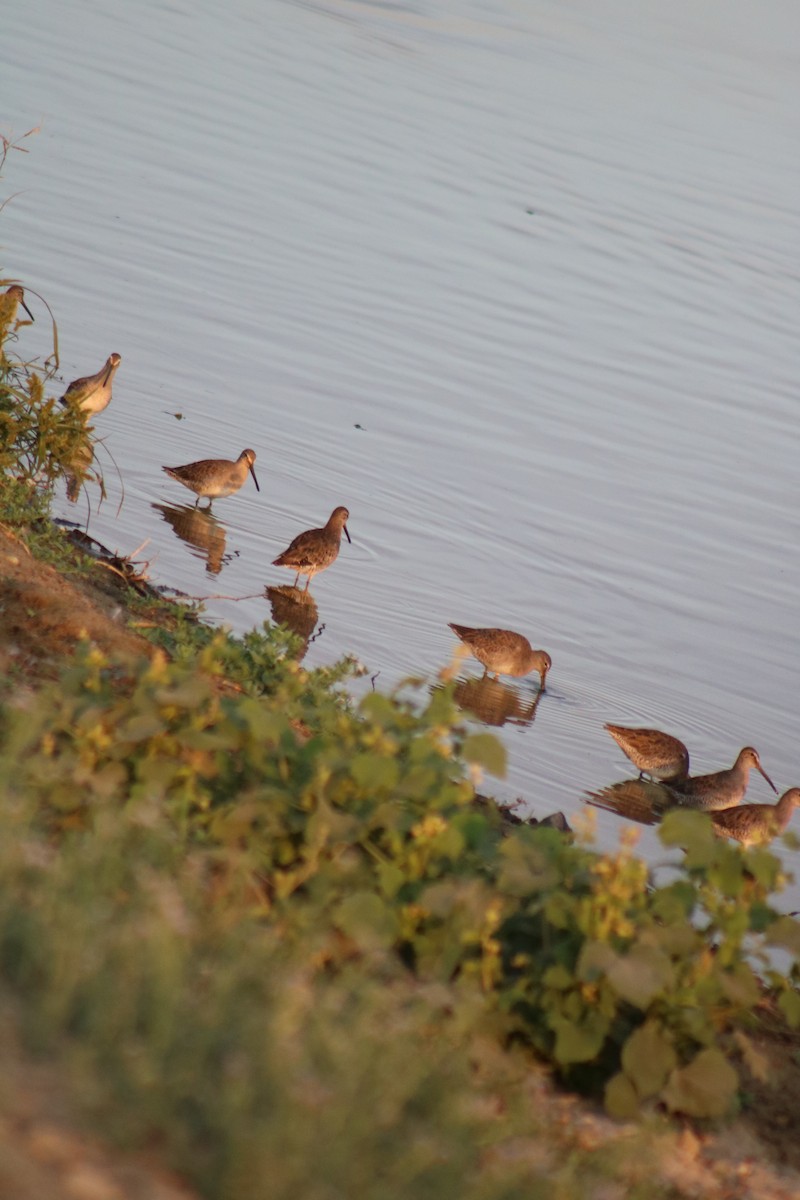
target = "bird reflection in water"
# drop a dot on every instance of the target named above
(201, 530)
(634, 799)
(297, 610)
(79, 471)
(495, 702)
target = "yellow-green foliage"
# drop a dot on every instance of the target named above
(347, 839)
(40, 441)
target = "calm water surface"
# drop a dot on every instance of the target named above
(515, 281)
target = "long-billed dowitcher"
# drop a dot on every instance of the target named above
(657, 754)
(10, 301)
(315, 549)
(754, 824)
(212, 478)
(92, 393)
(504, 652)
(722, 789)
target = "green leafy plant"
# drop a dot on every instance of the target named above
(353, 829)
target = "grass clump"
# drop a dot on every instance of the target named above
(41, 442)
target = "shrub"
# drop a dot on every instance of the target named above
(358, 839)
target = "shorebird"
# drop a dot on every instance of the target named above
(504, 652)
(10, 301)
(315, 549)
(657, 754)
(212, 478)
(92, 393)
(755, 824)
(722, 789)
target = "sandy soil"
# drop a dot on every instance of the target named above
(43, 615)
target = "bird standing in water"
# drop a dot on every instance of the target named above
(657, 754)
(721, 789)
(315, 549)
(212, 478)
(92, 393)
(755, 824)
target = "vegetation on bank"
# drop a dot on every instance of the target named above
(270, 930)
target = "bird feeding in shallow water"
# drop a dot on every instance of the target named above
(755, 824)
(92, 393)
(721, 789)
(653, 753)
(213, 478)
(315, 549)
(504, 652)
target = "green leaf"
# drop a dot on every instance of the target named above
(740, 985)
(674, 902)
(449, 843)
(679, 940)
(763, 866)
(441, 708)
(648, 1058)
(595, 960)
(620, 1098)
(558, 977)
(379, 708)
(374, 772)
(441, 899)
(704, 1088)
(485, 750)
(643, 973)
(784, 932)
(789, 1004)
(365, 918)
(140, 727)
(693, 831)
(525, 868)
(390, 879)
(578, 1042)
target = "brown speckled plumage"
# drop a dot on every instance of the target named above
(315, 549)
(653, 753)
(215, 477)
(504, 652)
(755, 824)
(721, 789)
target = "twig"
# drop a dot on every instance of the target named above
(218, 596)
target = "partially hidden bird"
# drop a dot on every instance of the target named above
(756, 824)
(10, 302)
(92, 393)
(721, 789)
